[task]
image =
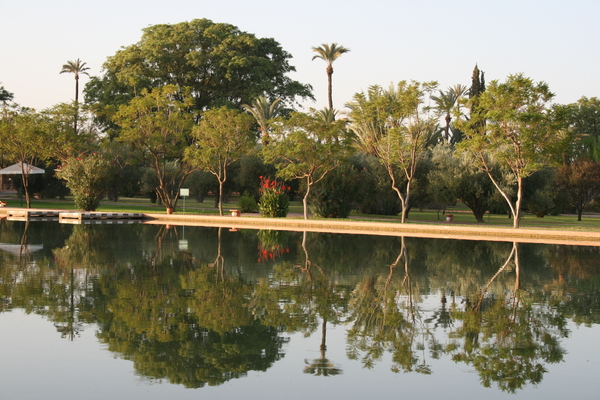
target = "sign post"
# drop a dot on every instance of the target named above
(184, 192)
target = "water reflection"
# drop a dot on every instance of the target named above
(227, 303)
(387, 319)
(508, 338)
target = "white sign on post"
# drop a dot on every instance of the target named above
(184, 192)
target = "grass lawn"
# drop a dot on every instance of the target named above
(462, 215)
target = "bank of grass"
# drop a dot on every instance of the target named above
(461, 214)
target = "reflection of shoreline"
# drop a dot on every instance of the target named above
(18, 249)
(439, 231)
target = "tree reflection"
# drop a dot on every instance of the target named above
(386, 318)
(213, 313)
(326, 305)
(508, 339)
(186, 321)
(575, 291)
(78, 262)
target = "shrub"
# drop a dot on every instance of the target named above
(247, 203)
(374, 195)
(88, 178)
(334, 196)
(274, 201)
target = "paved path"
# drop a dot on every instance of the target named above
(387, 227)
(390, 228)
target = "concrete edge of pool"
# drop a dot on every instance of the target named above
(442, 230)
(411, 229)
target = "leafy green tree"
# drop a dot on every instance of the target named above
(584, 120)
(391, 126)
(305, 147)
(222, 137)
(157, 126)
(263, 111)
(523, 132)
(580, 182)
(457, 176)
(63, 140)
(329, 53)
(539, 197)
(220, 64)
(24, 139)
(88, 177)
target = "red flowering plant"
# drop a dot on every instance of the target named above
(271, 244)
(274, 200)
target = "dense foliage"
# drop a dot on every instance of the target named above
(88, 177)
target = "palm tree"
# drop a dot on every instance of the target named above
(446, 102)
(262, 110)
(329, 53)
(326, 115)
(76, 67)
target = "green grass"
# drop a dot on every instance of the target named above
(462, 215)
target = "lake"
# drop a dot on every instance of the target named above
(156, 311)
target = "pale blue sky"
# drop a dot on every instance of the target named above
(548, 40)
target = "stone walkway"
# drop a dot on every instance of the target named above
(391, 228)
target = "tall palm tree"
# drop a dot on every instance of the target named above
(329, 53)
(262, 110)
(76, 67)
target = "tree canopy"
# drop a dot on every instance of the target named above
(523, 131)
(306, 147)
(222, 137)
(158, 127)
(220, 64)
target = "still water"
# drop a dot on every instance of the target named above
(132, 311)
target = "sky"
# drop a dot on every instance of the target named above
(389, 41)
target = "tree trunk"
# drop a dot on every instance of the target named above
(329, 90)
(447, 128)
(76, 104)
(305, 199)
(220, 198)
(221, 177)
(517, 209)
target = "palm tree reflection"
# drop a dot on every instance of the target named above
(326, 308)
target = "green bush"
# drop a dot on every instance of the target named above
(247, 204)
(334, 196)
(88, 178)
(274, 201)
